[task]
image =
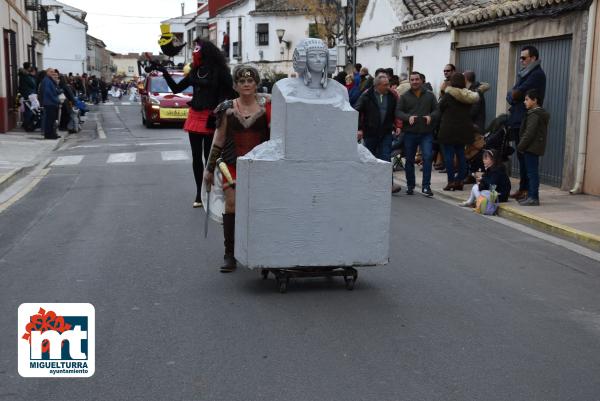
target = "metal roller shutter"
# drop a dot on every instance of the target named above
(555, 56)
(484, 62)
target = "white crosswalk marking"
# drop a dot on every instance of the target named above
(174, 155)
(126, 103)
(67, 160)
(121, 158)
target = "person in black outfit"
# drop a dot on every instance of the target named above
(67, 105)
(212, 84)
(495, 175)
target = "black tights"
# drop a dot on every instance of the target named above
(200, 147)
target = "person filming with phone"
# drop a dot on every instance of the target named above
(418, 109)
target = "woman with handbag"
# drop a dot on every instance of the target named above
(212, 84)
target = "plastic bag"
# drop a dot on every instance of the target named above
(487, 202)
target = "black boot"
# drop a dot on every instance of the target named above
(229, 234)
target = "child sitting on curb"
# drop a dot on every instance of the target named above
(494, 175)
(533, 133)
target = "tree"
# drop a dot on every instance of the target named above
(328, 17)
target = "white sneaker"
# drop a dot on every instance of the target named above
(466, 204)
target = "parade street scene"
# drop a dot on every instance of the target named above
(300, 200)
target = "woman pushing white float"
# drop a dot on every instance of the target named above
(311, 201)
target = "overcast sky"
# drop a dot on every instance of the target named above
(129, 25)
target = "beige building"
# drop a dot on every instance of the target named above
(99, 59)
(489, 39)
(126, 65)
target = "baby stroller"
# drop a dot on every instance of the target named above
(398, 152)
(496, 137)
(32, 114)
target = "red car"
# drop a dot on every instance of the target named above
(160, 104)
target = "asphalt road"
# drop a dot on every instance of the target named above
(467, 309)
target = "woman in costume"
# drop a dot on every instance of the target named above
(242, 123)
(212, 84)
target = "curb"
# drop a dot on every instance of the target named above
(583, 238)
(13, 175)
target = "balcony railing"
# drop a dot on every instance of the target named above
(32, 5)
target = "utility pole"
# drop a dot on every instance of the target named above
(349, 7)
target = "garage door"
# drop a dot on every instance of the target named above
(555, 57)
(484, 62)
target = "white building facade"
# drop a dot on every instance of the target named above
(252, 30)
(66, 49)
(400, 35)
(178, 28)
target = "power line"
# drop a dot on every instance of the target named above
(130, 16)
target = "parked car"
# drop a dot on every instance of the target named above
(160, 104)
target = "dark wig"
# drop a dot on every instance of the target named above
(212, 56)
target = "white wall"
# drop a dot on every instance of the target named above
(430, 54)
(379, 19)
(296, 28)
(67, 47)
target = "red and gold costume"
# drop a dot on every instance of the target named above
(242, 133)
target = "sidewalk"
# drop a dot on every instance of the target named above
(21, 152)
(573, 217)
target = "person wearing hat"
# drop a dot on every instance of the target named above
(212, 84)
(242, 123)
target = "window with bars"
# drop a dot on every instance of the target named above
(262, 34)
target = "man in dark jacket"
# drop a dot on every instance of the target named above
(531, 76)
(27, 87)
(376, 107)
(418, 111)
(27, 82)
(50, 101)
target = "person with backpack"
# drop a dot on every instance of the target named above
(494, 178)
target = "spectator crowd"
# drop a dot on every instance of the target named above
(401, 118)
(53, 101)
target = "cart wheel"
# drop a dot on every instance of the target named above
(283, 283)
(265, 274)
(349, 282)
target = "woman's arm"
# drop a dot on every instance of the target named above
(176, 87)
(216, 150)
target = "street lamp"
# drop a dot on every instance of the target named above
(280, 33)
(54, 9)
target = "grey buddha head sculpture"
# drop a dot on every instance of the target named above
(313, 61)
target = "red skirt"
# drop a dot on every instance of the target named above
(196, 122)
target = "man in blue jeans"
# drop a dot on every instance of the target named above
(531, 76)
(417, 109)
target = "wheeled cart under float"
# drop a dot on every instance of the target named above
(283, 276)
